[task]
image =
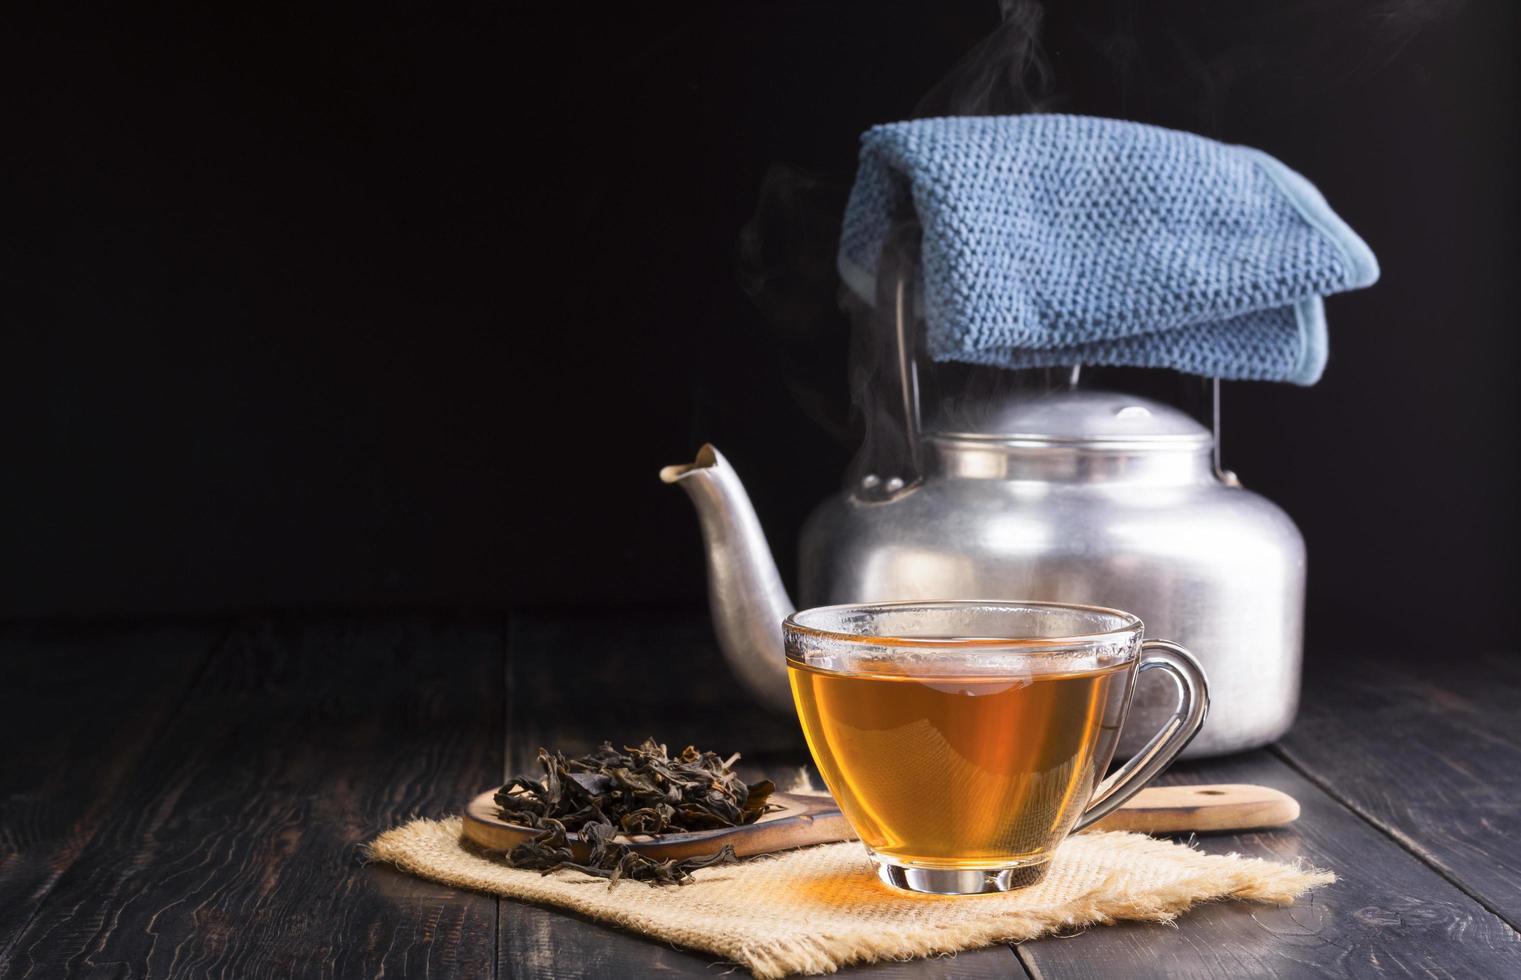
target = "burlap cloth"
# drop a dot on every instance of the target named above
(817, 909)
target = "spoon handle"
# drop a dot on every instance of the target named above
(1179, 809)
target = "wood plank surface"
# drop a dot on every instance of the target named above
(236, 850)
(1432, 756)
(575, 681)
(177, 805)
(1390, 915)
(79, 705)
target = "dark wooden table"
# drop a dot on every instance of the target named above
(190, 800)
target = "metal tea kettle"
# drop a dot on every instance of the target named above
(1073, 496)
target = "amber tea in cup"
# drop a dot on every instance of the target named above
(989, 748)
(964, 740)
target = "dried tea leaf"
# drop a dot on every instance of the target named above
(640, 790)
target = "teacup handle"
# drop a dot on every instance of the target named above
(1193, 705)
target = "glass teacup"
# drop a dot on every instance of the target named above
(964, 740)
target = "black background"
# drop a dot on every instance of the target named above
(407, 304)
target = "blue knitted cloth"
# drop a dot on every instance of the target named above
(1052, 240)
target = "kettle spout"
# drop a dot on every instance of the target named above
(744, 588)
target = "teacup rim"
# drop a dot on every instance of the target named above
(1132, 627)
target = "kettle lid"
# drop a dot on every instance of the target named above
(1088, 418)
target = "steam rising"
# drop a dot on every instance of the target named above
(786, 263)
(786, 267)
(1006, 74)
(1173, 63)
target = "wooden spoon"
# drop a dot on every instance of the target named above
(807, 819)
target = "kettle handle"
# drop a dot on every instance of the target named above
(903, 343)
(1224, 475)
(893, 458)
(887, 382)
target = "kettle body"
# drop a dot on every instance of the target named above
(1096, 498)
